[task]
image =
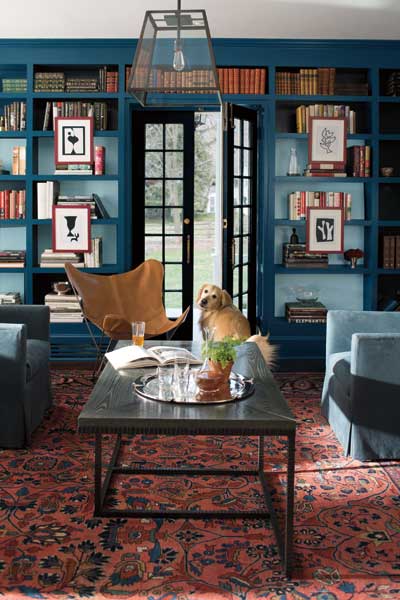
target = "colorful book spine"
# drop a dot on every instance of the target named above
(99, 160)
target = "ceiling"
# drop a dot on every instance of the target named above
(320, 19)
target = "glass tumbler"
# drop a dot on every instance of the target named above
(138, 333)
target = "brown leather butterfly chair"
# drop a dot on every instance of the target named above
(113, 302)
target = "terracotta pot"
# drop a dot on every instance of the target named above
(225, 372)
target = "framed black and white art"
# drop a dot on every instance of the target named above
(71, 229)
(327, 143)
(325, 230)
(73, 140)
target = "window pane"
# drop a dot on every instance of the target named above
(153, 220)
(246, 133)
(236, 221)
(154, 136)
(245, 303)
(236, 191)
(246, 191)
(246, 220)
(246, 163)
(236, 161)
(173, 220)
(173, 248)
(174, 193)
(173, 303)
(237, 133)
(174, 136)
(235, 283)
(246, 242)
(154, 164)
(153, 192)
(245, 278)
(153, 248)
(174, 164)
(237, 250)
(173, 277)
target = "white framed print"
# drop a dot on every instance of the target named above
(325, 230)
(73, 140)
(71, 229)
(327, 143)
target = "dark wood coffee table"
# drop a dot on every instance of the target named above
(114, 408)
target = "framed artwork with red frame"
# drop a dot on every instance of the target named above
(327, 143)
(71, 228)
(73, 140)
(325, 230)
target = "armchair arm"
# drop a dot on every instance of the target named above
(36, 319)
(341, 324)
(376, 356)
(12, 364)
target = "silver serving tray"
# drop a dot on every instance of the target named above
(146, 386)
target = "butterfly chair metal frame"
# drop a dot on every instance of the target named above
(148, 276)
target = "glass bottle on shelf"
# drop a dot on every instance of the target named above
(293, 164)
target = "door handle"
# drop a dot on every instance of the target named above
(188, 249)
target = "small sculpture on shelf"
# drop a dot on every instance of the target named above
(352, 255)
(294, 238)
(293, 164)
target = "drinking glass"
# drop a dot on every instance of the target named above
(138, 333)
(180, 380)
(165, 376)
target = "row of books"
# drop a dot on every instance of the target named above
(303, 114)
(392, 85)
(57, 81)
(12, 204)
(14, 86)
(10, 298)
(14, 117)
(239, 80)
(305, 312)
(299, 201)
(93, 259)
(97, 110)
(311, 171)
(48, 193)
(171, 81)
(391, 252)
(306, 82)
(93, 201)
(359, 161)
(18, 164)
(57, 260)
(12, 258)
(64, 308)
(296, 256)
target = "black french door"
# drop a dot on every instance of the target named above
(163, 191)
(240, 208)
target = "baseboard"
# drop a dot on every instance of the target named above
(300, 365)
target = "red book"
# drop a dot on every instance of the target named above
(21, 204)
(1, 205)
(230, 81)
(236, 81)
(257, 84)
(263, 81)
(13, 205)
(6, 204)
(252, 81)
(99, 160)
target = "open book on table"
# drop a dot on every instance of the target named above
(133, 357)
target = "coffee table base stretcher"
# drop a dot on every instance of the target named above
(284, 545)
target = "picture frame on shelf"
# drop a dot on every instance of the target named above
(71, 229)
(327, 142)
(73, 140)
(325, 230)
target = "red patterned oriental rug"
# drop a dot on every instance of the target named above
(347, 515)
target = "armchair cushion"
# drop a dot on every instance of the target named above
(37, 356)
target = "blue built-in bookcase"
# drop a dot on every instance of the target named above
(376, 200)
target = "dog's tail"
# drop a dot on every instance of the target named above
(269, 352)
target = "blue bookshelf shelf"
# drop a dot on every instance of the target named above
(331, 269)
(97, 133)
(4, 270)
(304, 179)
(302, 222)
(100, 270)
(48, 177)
(75, 96)
(114, 221)
(13, 177)
(301, 99)
(304, 136)
(13, 134)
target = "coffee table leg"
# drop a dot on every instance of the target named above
(97, 476)
(289, 504)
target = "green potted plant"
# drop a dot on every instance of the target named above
(222, 355)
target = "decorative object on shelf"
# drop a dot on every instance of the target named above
(294, 238)
(325, 230)
(352, 255)
(73, 142)
(174, 55)
(327, 144)
(306, 294)
(71, 229)
(293, 169)
(61, 287)
(387, 171)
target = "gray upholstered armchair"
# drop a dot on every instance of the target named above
(24, 372)
(361, 395)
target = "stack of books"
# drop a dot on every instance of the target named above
(305, 312)
(359, 162)
(97, 209)
(56, 260)
(306, 82)
(93, 259)
(14, 117)
(14, 86)
(74, 169)
(49, 82)
(391, 252)
(10, 298)
(299, 201)
(64, 308)
(295, 256)
(12, 258)
(98, 110)
(303, 114)
(12, 204)
(18, 164)
(169, 81)
(235, 80)
(392, 87)
(81, 84)
(47, 192)
(108, 80)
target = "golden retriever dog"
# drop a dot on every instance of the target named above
(219, 313)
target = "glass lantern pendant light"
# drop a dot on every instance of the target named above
(174, 60)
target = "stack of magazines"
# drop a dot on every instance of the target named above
(10, 298)
(12, 258)
(64, 308)
(56, 260)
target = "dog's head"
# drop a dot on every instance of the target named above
(211, 297)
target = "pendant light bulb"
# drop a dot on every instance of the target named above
(179, 59)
